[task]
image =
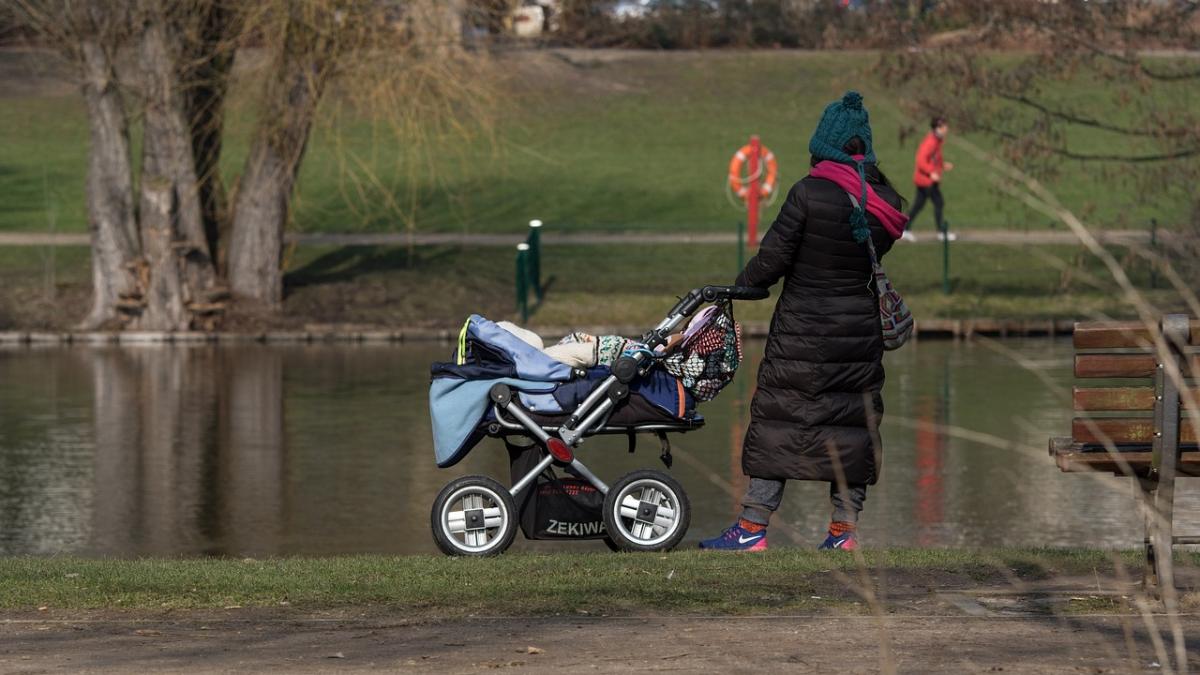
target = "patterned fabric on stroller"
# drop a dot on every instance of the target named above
(501, 386)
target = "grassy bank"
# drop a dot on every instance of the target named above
(437, 286)
(685, 581)
(589, 140)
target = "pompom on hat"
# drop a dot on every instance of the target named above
(841, 121)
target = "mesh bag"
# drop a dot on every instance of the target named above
(707, 359)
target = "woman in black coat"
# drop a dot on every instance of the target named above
(816, 413)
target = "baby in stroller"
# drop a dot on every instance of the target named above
(544, 401)
(704, 356)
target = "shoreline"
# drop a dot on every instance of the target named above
(953, 329)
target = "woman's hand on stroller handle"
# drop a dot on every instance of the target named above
(689, 303)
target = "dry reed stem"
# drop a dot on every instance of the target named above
(866, 589)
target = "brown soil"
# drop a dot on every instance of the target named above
(933, 624)
(941, 638)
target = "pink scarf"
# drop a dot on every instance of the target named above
(847, 178)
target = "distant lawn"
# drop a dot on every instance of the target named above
(627, 286)
(778, 581)
(635, 286)
(637, 141)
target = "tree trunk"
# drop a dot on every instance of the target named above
(111, 216)
(164, 293)
(173, 238)
(265, 189)
(206, 77)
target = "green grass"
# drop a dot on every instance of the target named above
(636, 142)
(525, 584)
(436, 286)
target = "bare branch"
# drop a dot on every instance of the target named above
(1087, 121)
(1133, 62)
(1088, 157)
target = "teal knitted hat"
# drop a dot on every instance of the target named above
(841, 121)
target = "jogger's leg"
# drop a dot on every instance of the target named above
(762, 498)
(917, 205)
(935, 195)
(847, 504)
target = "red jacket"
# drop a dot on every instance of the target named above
(929, 161)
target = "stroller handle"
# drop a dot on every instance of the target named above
(715, 293)
(689, 303)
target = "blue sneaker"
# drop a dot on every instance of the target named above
(737, 538)
(846, 542)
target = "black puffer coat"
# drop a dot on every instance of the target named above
(820, 380)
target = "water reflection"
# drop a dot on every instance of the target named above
(187, 452)
(324, 449)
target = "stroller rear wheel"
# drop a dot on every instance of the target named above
(473, 516)
(646, 510)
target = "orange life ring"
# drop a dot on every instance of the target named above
(767, 186)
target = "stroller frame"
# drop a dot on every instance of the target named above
(644, 510)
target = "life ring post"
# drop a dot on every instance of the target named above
(759, 183)
(752, 196)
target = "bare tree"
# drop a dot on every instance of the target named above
(303, 61)
(160, 256)
(408, 72)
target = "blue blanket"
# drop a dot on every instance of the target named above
(457, 406)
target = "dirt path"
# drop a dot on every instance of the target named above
(946, 641)
(1040, 237)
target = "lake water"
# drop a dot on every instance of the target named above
(260, 450)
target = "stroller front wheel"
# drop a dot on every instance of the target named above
(646, 510)
(473, 516)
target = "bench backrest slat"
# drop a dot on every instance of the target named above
(1115, 365)
(1118, 335)
(1125, 366)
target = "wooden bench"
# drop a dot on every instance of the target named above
(1134, 420)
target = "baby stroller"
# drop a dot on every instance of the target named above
(503, 387)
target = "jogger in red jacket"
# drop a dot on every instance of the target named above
(927, 176)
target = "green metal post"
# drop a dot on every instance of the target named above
(522, 281)
(1153, 249)
(946, 259)
(741, 245)
(535, 258)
